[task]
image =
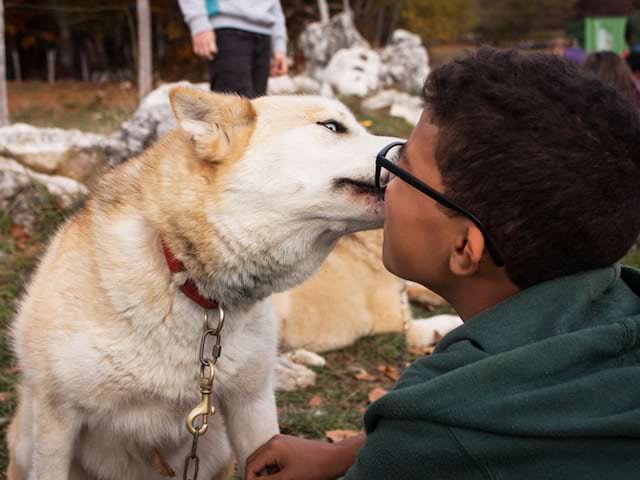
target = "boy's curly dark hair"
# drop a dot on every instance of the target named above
(546, 155)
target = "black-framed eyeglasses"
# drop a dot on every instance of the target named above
(393, 170)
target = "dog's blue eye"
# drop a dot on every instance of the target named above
(334, 126)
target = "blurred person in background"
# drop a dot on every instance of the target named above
(633, 60)
(244, 41)
(632, 29)
(614, 71)
(574, 53)
(569, 50)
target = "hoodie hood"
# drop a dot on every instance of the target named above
(540, 364)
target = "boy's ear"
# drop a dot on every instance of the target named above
(220, 125)
(467, 251)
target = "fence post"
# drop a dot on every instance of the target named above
(145, 70)
(4, 105)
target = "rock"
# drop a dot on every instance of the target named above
(419, 294)
(286, 85)
(320, 42)
(405, 62)
(409, 111)
(428, 331)
(400, 104)
(20, 191)
(282, 85)
(54, 151)
(151, 120)
(382, 99)
(304, 84)
(352, 295)
(292, 376)
(305, 357)
(326, 90)
(353, 71)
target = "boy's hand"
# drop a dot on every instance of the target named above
(300, 459)
(279, 64)
(204, 44)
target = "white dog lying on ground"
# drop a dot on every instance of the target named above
(248, 198)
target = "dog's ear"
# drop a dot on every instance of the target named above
(220, 125)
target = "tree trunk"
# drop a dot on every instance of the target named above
(324, 11)
(395, 18)
(66, 46)
(145, 71)
(17, 70)
(4, 106)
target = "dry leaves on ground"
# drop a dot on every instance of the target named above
(316, 401)
(335, 436)
(377, 393)
(365, 376)
(20, 236)
(389, 371)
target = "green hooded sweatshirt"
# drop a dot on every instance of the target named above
(545, 385)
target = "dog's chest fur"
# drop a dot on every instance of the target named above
(147, 379)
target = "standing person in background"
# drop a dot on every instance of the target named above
(632, 29)
(244, 41)
(614, 71)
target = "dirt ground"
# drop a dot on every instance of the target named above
(91, 107)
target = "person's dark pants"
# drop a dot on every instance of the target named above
(242, 64)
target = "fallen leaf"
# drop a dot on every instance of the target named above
(421, 351)
(316, 401)
(11, 370)
(20, 236)
(389, 371)
(4, 396)
(365, 376)
(377, 393)
(335, 436)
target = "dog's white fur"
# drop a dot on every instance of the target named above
(245, 194)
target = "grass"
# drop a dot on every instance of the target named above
(378, 122)
(343, 397)
(18, 257)
(99, 108)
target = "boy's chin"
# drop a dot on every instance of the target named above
(389, 261)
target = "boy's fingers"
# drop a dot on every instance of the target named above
(261, 460)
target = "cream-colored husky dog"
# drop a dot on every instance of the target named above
(250, 196)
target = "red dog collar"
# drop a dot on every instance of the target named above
(188, 288)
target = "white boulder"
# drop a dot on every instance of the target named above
(400, 104)
(354, 71)
(405, 62)
(320, 42)
(151, 120)
(20, 191)
(54, 151)
(286, 85)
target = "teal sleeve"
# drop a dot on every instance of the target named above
(408, 450)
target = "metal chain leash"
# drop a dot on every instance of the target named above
(198, 419)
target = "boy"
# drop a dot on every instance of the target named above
(539, 165)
